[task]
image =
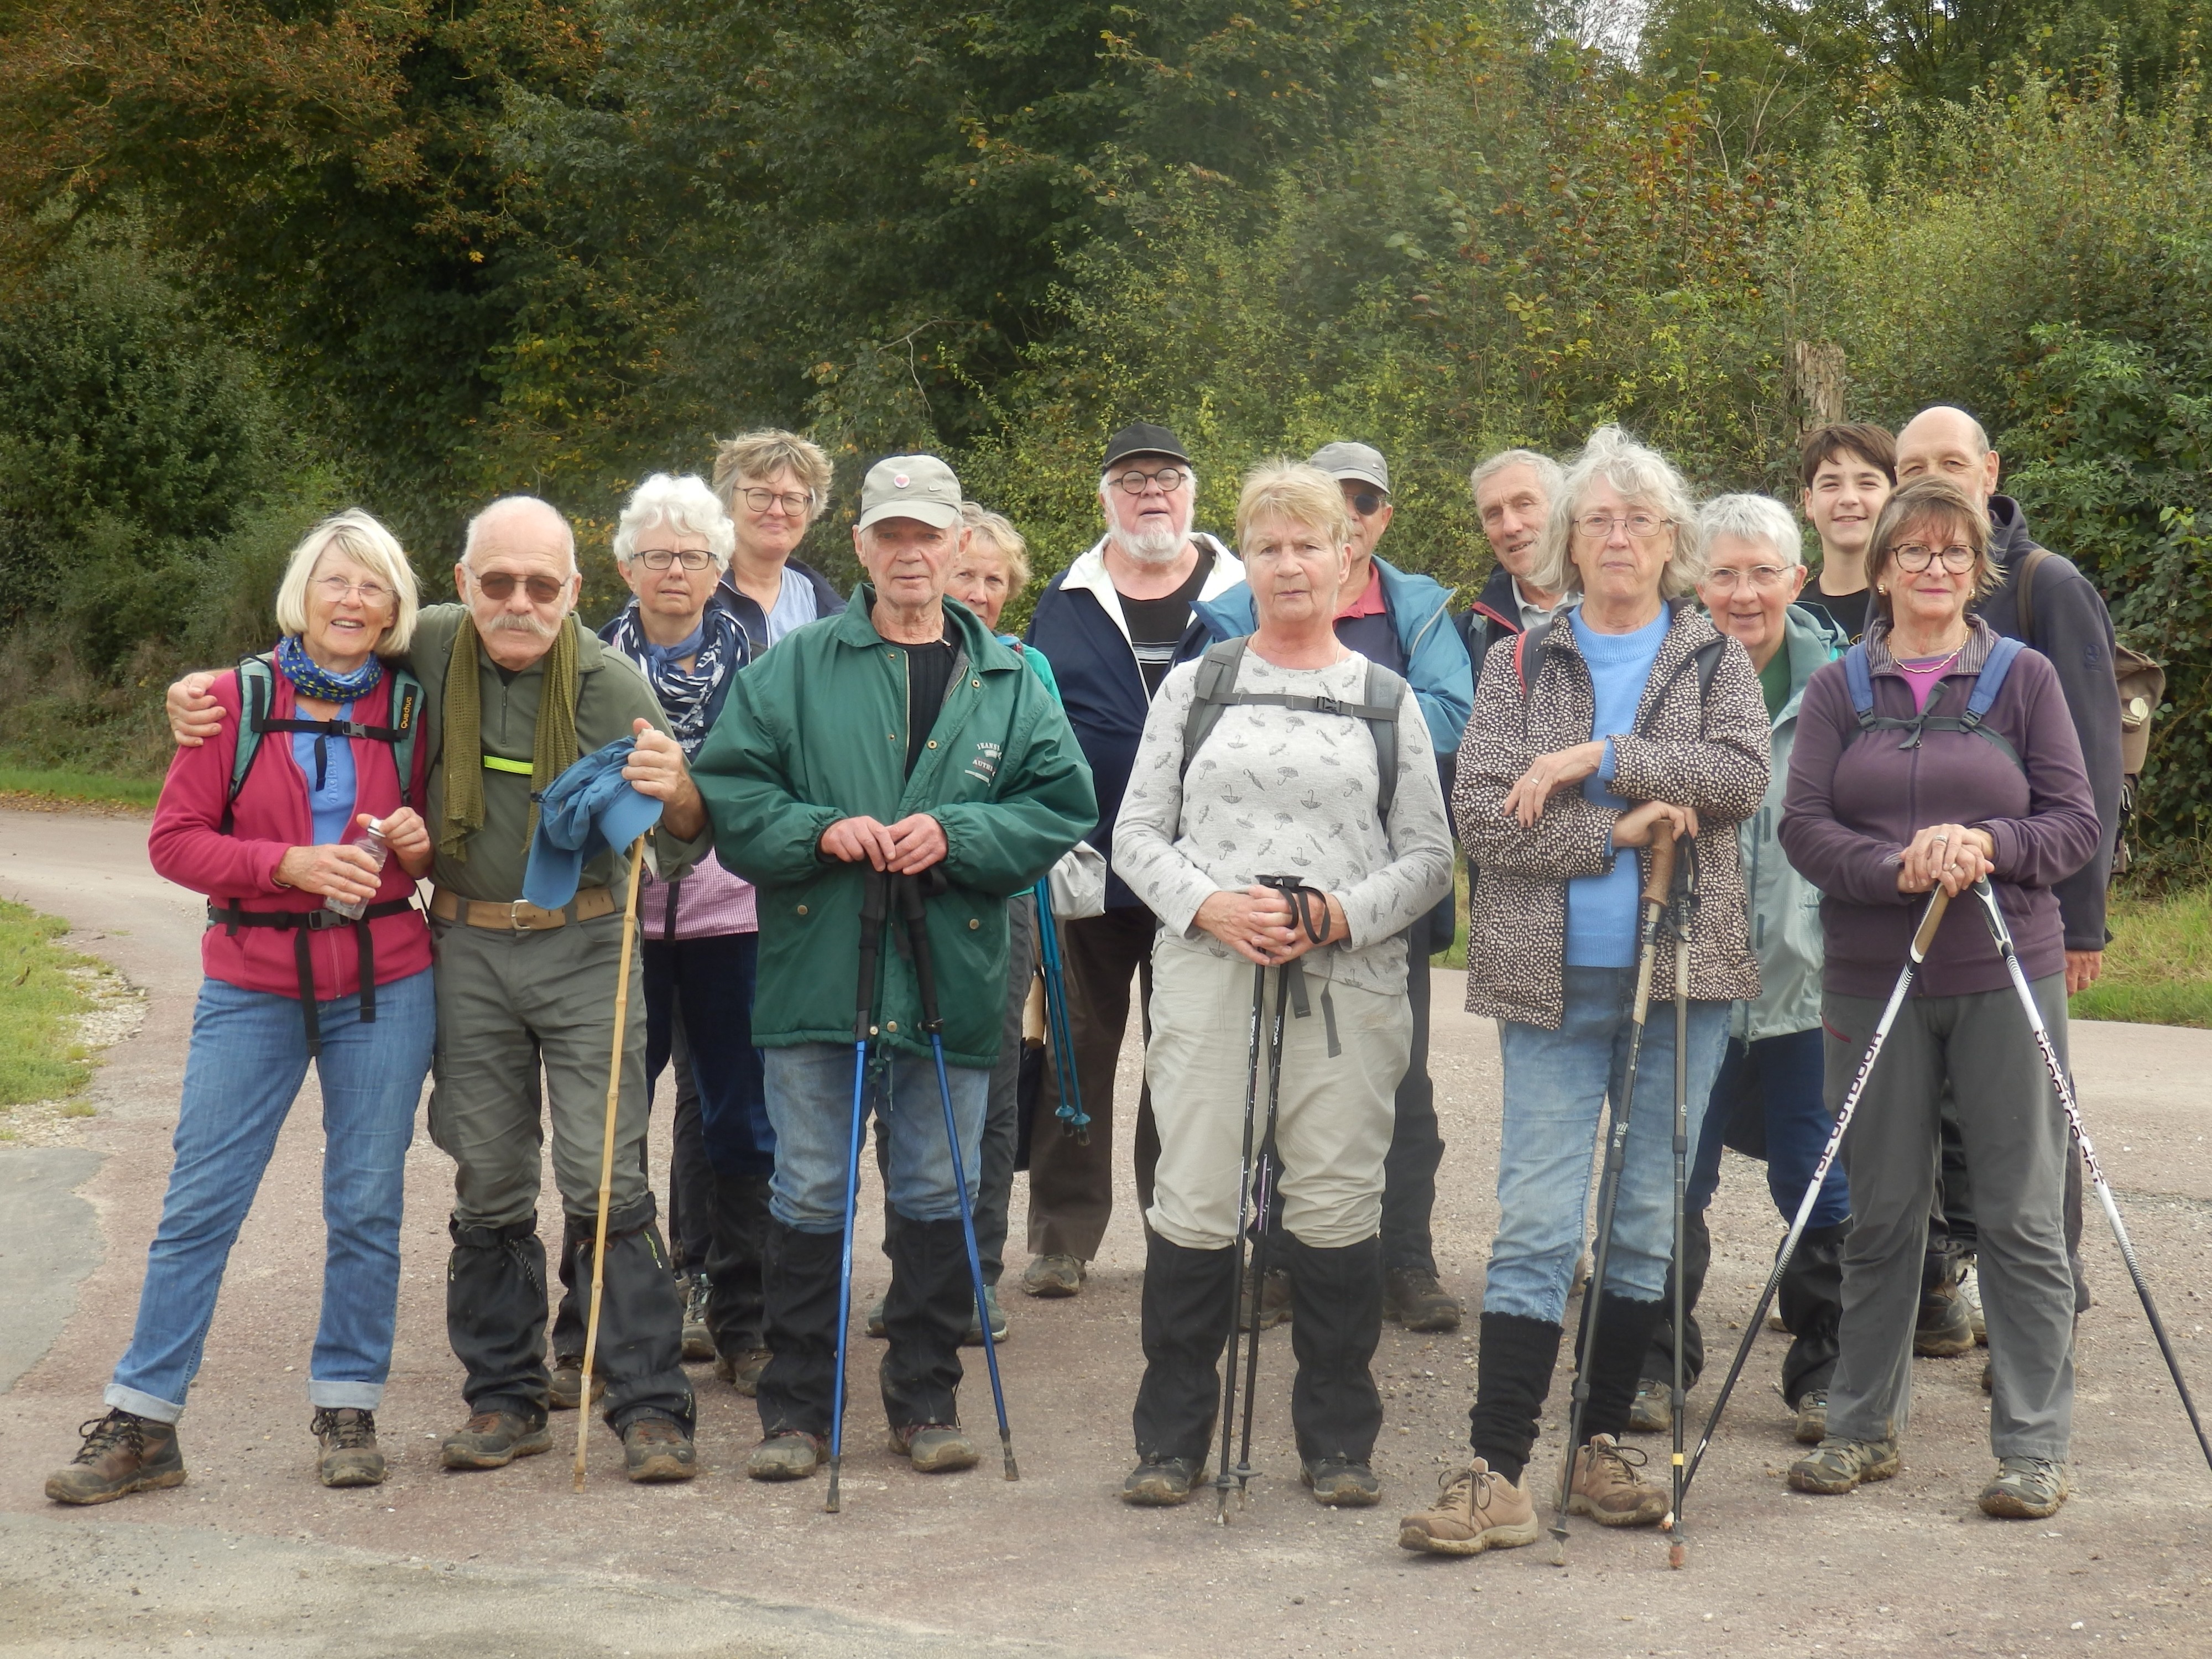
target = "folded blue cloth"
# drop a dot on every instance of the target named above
(588, 809)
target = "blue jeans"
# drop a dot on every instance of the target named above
(810, 1102)
(248, 1057)
(1555, 1084)
(1767, 1100)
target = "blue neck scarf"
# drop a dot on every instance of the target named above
(687, 696)
(310, 679)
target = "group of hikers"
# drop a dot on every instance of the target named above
(1241, 773)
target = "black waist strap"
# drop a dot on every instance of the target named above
(234, 915)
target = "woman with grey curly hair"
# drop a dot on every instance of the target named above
(1625, 719)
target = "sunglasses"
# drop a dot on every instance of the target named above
(500, 585)
(1367, 505)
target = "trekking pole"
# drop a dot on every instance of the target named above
(1263, 1205)
(874, 903)
(1073, 1120)
(1654, 902)
(1684, 909)
(1224, 1478)
(1922, 937)
(916, 916)
(2002, 935)
(607, 1154)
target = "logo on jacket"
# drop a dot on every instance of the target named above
(983, 764)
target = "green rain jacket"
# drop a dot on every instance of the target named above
(816, 730)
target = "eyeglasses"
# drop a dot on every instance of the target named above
(660, 558)
(1366, 504)
(500, 585)
(1916, 555)
(336, 589)
(760, 501)
(1763, 577)
(1169, 478)
(1641, 526)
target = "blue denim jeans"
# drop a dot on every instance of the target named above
(1770, 1091)
(248, 1059)
(1555, 1084)
(810, 1102)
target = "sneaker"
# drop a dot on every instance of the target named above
(1970, 1293)
(122, 1453)
(1161, 1483)
(1053, 1275)
(654, 1449)
(2026, 1489)
(1274, 1300)
(1475, 1511)
(742, 1371)
(973, 1336)
(1944, 1327)
(1652, 1411)
(698, 1340)
(1341, 1484)
(1812, 1417)
(788, 1455)
(1413, 1296)
(350, 1455)
(1608, 1488)
(935, 1448)
(564, 1383)
(492, 1440)
(1838, 1465)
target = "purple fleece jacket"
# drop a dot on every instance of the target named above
(1853, 806)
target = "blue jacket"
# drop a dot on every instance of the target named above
(828, 602)
(1437, 665)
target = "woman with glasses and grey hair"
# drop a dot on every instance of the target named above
(1625, 719)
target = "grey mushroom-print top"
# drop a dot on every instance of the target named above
(1283, 792)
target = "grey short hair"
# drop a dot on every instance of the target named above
(1549, 472)
(355, 535)
(686, 505)
(1752, 519)
(505, 503)
(1640, 474)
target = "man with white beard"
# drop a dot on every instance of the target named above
(1111, 625)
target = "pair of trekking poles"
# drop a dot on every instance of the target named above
(1671, 892)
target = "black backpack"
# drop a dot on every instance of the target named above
(1217, 690)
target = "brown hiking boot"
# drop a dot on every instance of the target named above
(350, 1455)
(122, 1453)
(787, 1454)
(492, 1440)
(1838, 1465)
(1944, 1326)
(742, 1371)
(1053, 1276)
(1608, 1488)
(654, 1449)
(1274, 1298)
(1413, 1296)
(1476, 1510)
(564, 1384)
(698, 1340)
(935, 1448)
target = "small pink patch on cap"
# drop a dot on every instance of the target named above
(900, 480)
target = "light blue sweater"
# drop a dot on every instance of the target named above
(1601, 909)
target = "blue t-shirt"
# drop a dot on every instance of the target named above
(331, 805)
(794, 605)
(1601, 909)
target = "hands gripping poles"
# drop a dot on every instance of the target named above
(1073, 1120)
(875, 900)
(1685, 907)
(1654, 906)
(1922, 937)
(2002, 935)
(915, 915)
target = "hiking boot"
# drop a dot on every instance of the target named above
(1838, 1465)
(791, 1455)
(935, 1448)
(1053, 1275)
(122, 1453)
(1652, 1411)
(492, 1440)
(1159, 1483)
(1989, 1377)
(1413, 1298)
(876, 1328)
(1274, 1300)
(1475, 1511)
(973, 1336)
(2026, 1489)
(564, 1383)
(1342, 1484)
(742, 1371)
(1944, 1327)
(1812, 1417)
(655, 1449)
(698, 1340)
(1608, 1488)
(1970, 1293)
(350, 1455)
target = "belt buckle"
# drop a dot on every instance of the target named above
(516, 919)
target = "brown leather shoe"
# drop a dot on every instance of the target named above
(1475, 1511)
(654, 1449)
(492, 1440)
(1413, 1296)
(350, 1455)
(1608, 1488)
(122, 1453)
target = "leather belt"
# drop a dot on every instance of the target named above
(520, 915)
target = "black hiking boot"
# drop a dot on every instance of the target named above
(350, 1455)
(1159, 1483)
(122, 1453)
(698, 1340)
(1413, 1298)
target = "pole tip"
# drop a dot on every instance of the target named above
(580, 1481)
(1674, 1556)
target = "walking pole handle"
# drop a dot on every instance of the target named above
(1660, 883)
(1931, 919)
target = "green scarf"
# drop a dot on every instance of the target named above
(553, 751)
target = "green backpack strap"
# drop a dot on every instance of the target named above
(257, 696)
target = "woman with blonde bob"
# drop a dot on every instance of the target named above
(1275, 774)
(314, 951)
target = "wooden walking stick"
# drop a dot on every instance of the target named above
(607, 1157)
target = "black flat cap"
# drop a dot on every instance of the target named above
(1143, 439)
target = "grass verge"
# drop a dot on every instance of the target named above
(43, 1002)
(53, 784)
(2158, 970)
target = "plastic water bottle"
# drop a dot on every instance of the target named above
(369, 837)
